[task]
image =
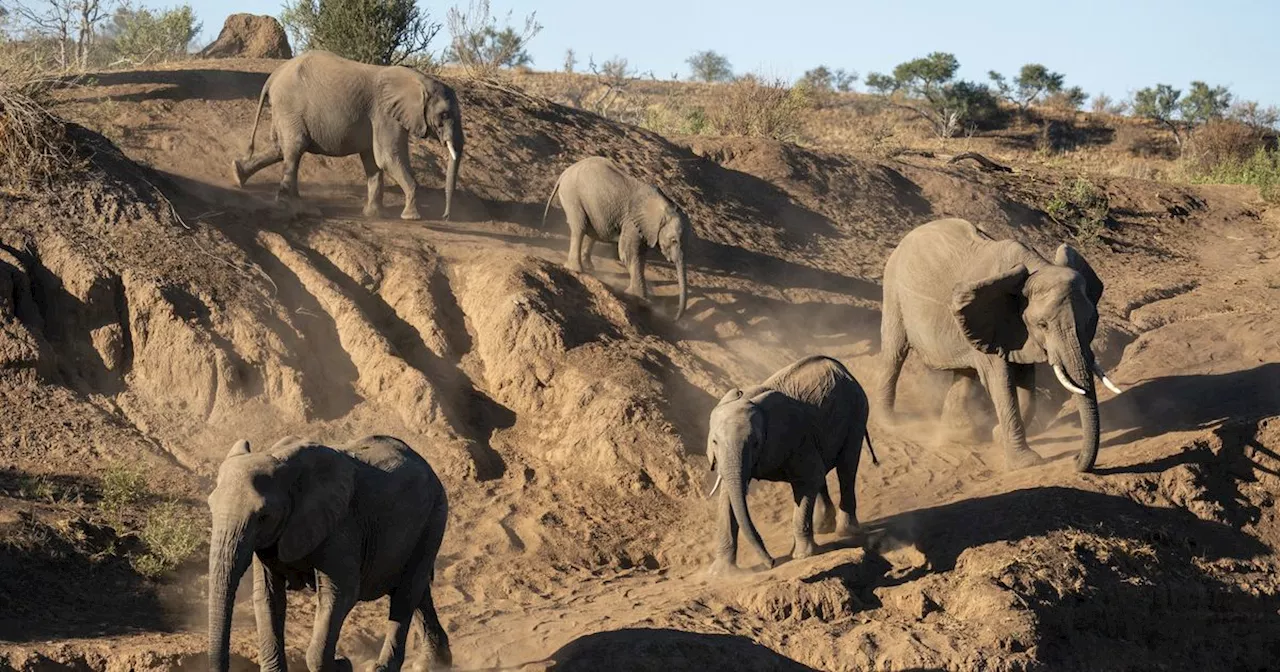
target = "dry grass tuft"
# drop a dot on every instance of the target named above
(755, 107)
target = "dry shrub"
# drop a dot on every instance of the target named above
(34, 147)
(760, 108)
(1223, 142)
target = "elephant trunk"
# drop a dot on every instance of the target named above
(454, 145)
(230, 553)
(682, 277)
(1078, 367)
(735, 485)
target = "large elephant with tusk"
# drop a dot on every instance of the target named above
(991, 309)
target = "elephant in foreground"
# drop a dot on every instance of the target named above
(804, 420)
(325, 104)
(991, 309)
(354, 523)
(603, 203)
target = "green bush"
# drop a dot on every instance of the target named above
(1261, 169)
(143, 34)
(171, 534)
(1083, 206)
(928, 87)
(121, 488)
(383, 32)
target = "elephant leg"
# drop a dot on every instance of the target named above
(397, 166)
(403, 607)
(587, 243)
(289, 179)
(893, 354)
(726, 536)
(577, 220)
(243, 169)
(269, 613)
(1024, 379)
(955, 417)
(631, 253)
(847, 473)
(998, 380)
(333, 602)
(373, 176)
(433, 634)
(804, 493)
(825, 513)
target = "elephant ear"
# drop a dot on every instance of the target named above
(732, 395)
(1068, 256)
(402, 95)
(322, 483)
(241, 447)
(989, 311)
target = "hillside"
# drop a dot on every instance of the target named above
(151, 314)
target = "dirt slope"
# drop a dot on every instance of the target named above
(152, 314)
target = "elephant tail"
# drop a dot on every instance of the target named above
(549, 199)
(871, 449)
(262, 98)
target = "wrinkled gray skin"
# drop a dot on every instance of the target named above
(603, 203)
(354, 523)
(800, 423)
(991, 309)
(325, 104)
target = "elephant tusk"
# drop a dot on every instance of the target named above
(452, 152)
(714, 487)
(1105, 380)
(1066, 382)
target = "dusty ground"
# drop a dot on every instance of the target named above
(568, 420)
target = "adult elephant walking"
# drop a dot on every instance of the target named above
(325, 104)
(989, 308)
(806, 419)
(354, 523)
(603, 203)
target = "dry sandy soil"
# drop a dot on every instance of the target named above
(151, 314)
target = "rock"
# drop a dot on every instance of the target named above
(249, 36)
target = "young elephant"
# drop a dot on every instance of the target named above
(797, 425)
(603, 203)
(325, 104)
(354, 523)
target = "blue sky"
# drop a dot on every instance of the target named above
(1114, 46)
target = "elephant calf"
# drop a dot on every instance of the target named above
(355, 523)
(796, 426)
(603, 203)
(325, 104)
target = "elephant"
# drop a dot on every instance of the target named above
(325, 104)
(991, 310)
(354, 523)
(804, 420)
(603, 203)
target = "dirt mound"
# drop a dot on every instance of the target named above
(249, 36)
(150, 315)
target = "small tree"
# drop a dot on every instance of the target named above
(142, 33)
(1204, 103)
(1104, 104)
(384, 32)
(73, 24)
(570, 60)
(1031, 83)
(709, 66)
(1161, 105)
(927, 87)
(1071, 99)
(478, 45)
(1250, 113)
(822, 78)
(299, 21)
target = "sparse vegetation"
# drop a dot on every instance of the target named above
(570, 61)
(928, 87)
(1082, 206)
(71, 25)
(34, 147)
(822, 78)
(760, 108)
(1035, 83)
(171, 534)
(709, 66)
(383, 32)
(141, 35)
(1180, 114)
(122, 487)
(481, 47)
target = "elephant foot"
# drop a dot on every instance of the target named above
(410, 213)
(847, 526)
(237, 173)
(723, 568)
(372, 210)
(825, 524)
(1022, 458)
(804, 549)
(574, 266)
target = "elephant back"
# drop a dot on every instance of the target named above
(838, 402)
